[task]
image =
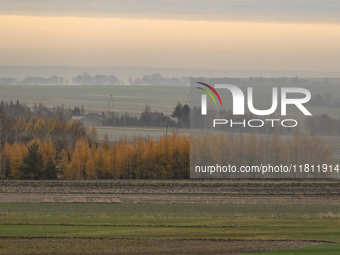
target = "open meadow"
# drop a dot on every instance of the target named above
(169, 217)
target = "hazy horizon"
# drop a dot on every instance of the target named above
(125, 73)
(226, 35)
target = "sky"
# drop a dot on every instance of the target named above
(216, 34)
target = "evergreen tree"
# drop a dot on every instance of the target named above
(32, 167)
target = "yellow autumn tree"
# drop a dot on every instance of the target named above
(64, 169)
(6, 160)
(79, 161)
(40, 129)
(102, 163)
(252, 150)
(17, 153)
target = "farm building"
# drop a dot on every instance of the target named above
(150, 116)
(157, 119)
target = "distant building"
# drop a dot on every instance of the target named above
(94, 119)
(157, 119)
(149, 116)
(46, 112)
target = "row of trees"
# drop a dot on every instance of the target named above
(163, 159)
(263, 81)
(256, 150)
(14, 109)
(36, 160)
(48, 148)
(84, 79)
(87, 79)
(324, 101)
(62, 133)
(142, 159)
(182, 113)
(159, 80)
(53, 80)
(322, 125)
(34, 141)
(17, 109)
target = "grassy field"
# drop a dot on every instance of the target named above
(328, 249)
(115, 226)
(171, 221)
(50, 213)
(150, 246)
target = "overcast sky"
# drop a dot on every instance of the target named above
(222, 10)
(246, 34)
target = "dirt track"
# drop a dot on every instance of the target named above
(170, 192)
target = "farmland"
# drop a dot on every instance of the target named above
(130, 99)
(153, 217)
(170, 217)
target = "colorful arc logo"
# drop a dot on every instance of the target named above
(208, 92)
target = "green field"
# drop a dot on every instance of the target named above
(50, 213)
(150, 222)
(328, 249)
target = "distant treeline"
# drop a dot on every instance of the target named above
(11, 110)
(43, 147)
(19, 124)
(48, 147)
(167, 158)
(181, 113)
(322, 125)
(159, 80)
(256, 150)
(32, 149)
(87, 79)
(84, 79)
(323, 101)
